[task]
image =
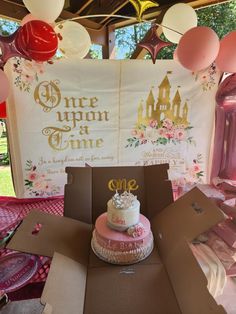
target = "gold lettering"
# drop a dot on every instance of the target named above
(58, 140)
(132, 185)
(99, 143)
(111, 185)
(96, 115)
(93, 101)
(73, 117)
(84, 130)
(85, 143)
(64, 118)
(105, 114)
(122, 184)
(78, 116)
(81, 102)
(48, 95)
(90, 116)
(75, 102)
(55, 137)
(77, 144)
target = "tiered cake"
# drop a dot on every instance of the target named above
(122, 235)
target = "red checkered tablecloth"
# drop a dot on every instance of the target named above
(13, 210)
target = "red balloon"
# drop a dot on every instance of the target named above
(3, 110)
(37, 40)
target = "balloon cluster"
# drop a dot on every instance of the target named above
(38, 38)
(35, 40)
(198, 46)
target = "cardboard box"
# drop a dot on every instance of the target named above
(169, 281)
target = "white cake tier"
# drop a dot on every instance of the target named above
(122, 219)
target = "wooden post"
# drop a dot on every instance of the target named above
(108, 50)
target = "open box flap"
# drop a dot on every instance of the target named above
(78, 194)
(66, 281)
(135, 289)
(174, 228)
(140, 288)
(159, 192)
(43, 234)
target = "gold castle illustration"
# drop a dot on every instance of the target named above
(163, 108)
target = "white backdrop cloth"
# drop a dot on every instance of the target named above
(104, 112)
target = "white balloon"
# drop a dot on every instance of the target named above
(74, 39)
(45, 10)
(179, 17)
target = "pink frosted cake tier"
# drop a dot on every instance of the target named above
(119, 247)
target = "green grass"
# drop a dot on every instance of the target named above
(6, 187)
(3, 145)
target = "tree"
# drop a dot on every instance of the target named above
(221, 18)
(95, 52)
(7, 27)
(127, 39)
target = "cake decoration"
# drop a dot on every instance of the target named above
(122, 235)
(136, 230)
(124, 200)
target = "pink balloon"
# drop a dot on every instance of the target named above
(4, 86)
(226, 60)
(198, 48)
(175, 55)
(29, 17)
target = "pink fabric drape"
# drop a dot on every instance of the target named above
(228, 163)
(224, 154)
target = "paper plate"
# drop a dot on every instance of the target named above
(16, 270)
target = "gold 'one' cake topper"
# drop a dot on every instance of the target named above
(124, 200)
(123, 184)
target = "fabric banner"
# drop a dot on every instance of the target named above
(107, 113)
